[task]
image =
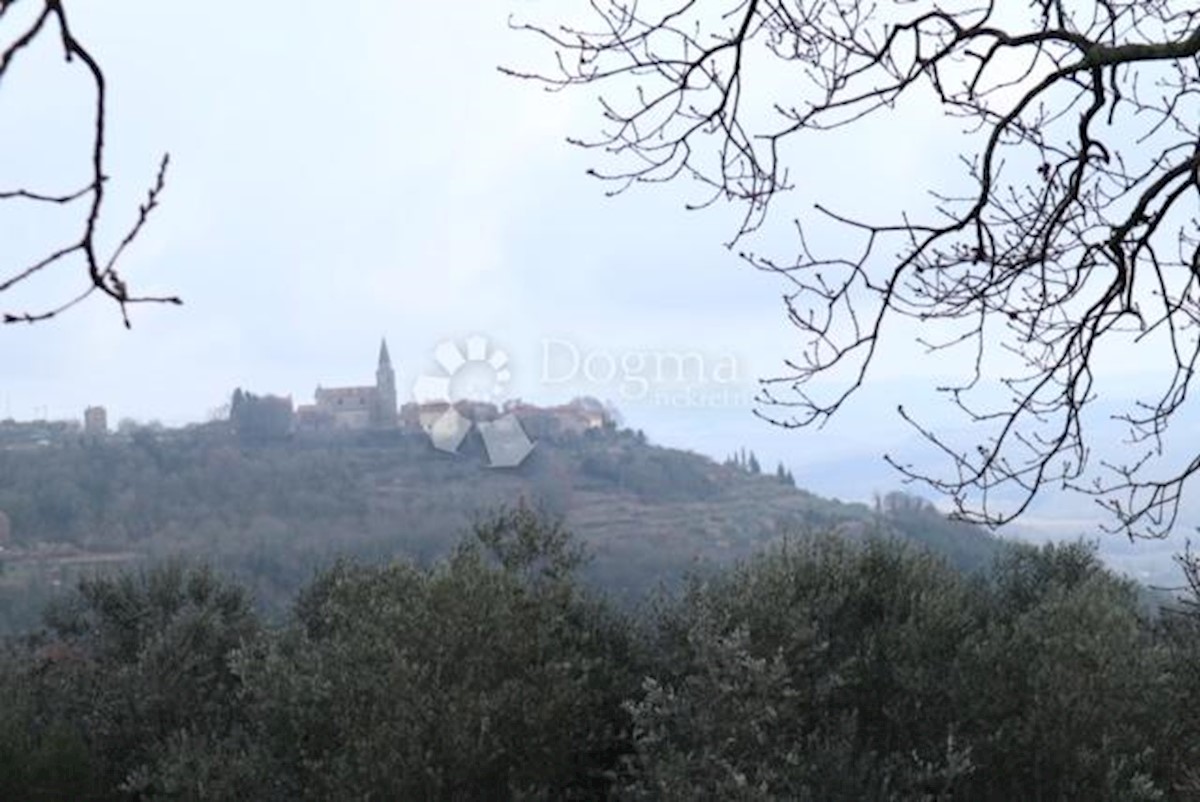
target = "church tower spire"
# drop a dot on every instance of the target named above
(385, 389)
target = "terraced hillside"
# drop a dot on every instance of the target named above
(274, 512)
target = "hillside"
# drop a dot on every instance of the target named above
(273, 513)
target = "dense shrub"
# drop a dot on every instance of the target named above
(821, 670)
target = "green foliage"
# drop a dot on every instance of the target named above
(529, 542)
(127, 664)
(1065, 676)
(41, 758)
(266, 513)
(815, 672)
(649, 473)
(828, 670)
(260, 419)
(822, 669)
(485, 677)
(966, 547)
(273, 513)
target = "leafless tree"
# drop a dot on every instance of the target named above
(23, 24)
(1072, 228)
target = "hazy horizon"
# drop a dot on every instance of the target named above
(315, 205)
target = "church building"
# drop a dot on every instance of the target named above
(368, 407)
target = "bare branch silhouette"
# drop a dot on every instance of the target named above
(99, 269)
(1078, 230)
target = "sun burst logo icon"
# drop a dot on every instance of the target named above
(478, 373)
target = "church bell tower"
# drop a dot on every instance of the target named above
(385, 389)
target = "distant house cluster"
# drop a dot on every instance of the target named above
(16, 435)
(367, 407)
(375, 407)
(578, 416)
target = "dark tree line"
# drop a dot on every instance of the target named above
(824, 669)
(260, 418)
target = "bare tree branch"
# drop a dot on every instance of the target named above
(1078, 231)
(100, 270)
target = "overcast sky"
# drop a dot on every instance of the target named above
(346, 172)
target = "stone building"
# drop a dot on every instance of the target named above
(574, 418)
(366, 407)
(95, 421)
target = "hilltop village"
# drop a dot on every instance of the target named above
(334, 410)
